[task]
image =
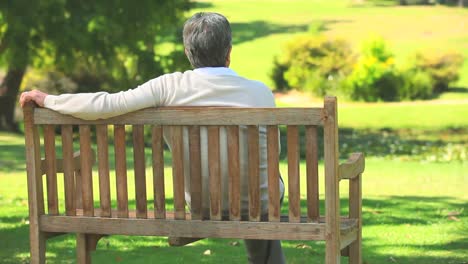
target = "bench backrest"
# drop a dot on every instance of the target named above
(309, 120)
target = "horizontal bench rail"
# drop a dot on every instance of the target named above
(194, 116)
(192, 228)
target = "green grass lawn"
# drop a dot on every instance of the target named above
(414, 212)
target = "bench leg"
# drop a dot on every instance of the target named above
(38, 247)
(355, 252)
(332, 252)
(83, 254)
(355, 211)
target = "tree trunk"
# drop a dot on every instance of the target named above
(8, 92)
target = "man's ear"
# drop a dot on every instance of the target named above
(228, 57)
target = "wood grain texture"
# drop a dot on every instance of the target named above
(178, 171)
(51, 169)
(294, 196)
(37, 237)
(140, 170)
(234, 173)
(157, 145)
(86, 170)
(121, 170)
(352, 167)
(312, 173)
(78, 188)
(355, 211)
(83, 255)
(347, 239)
(68, 165)
(254, 173)
(273, 174)
(204, 116)
(103, 169)
(332, 213)
(193, 228)
(214, 172)
(195, 174)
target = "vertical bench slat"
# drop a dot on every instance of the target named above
(312, 174)
(195, 173)
(121, 171)
(273, 174)
(178, 171)
(139, 168)
(293, 174)
(103, 168)
(86, 170)
(214, 172)
(234, 172)
(158, 172)
(78, 188)
(51, 169)
(254, 174)
(332, 186)
(68, 170)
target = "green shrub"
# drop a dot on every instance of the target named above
(277, 75)
(309, 61)
(416, 84)
(374, 77)
(443, 68)
(314, 64)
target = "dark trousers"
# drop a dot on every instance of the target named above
(264, 252)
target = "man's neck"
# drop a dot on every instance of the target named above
(215, 71)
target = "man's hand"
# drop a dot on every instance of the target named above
(35, 96)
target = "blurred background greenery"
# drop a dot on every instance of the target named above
(398, 68)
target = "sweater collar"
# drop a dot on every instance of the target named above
(215, 71)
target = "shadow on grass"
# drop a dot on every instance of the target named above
(461, 90)
(392, 212)
(243, 32)
(200, 5)
(12, 158)
(391, 143)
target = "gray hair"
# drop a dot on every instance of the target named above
(207, 40)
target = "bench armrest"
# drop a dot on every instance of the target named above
(352, 167)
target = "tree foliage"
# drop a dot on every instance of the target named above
(107, 43)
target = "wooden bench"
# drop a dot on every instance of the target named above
(76, 212)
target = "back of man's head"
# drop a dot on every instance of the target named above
(207, 40)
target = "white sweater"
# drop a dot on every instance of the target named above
(201, 87)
